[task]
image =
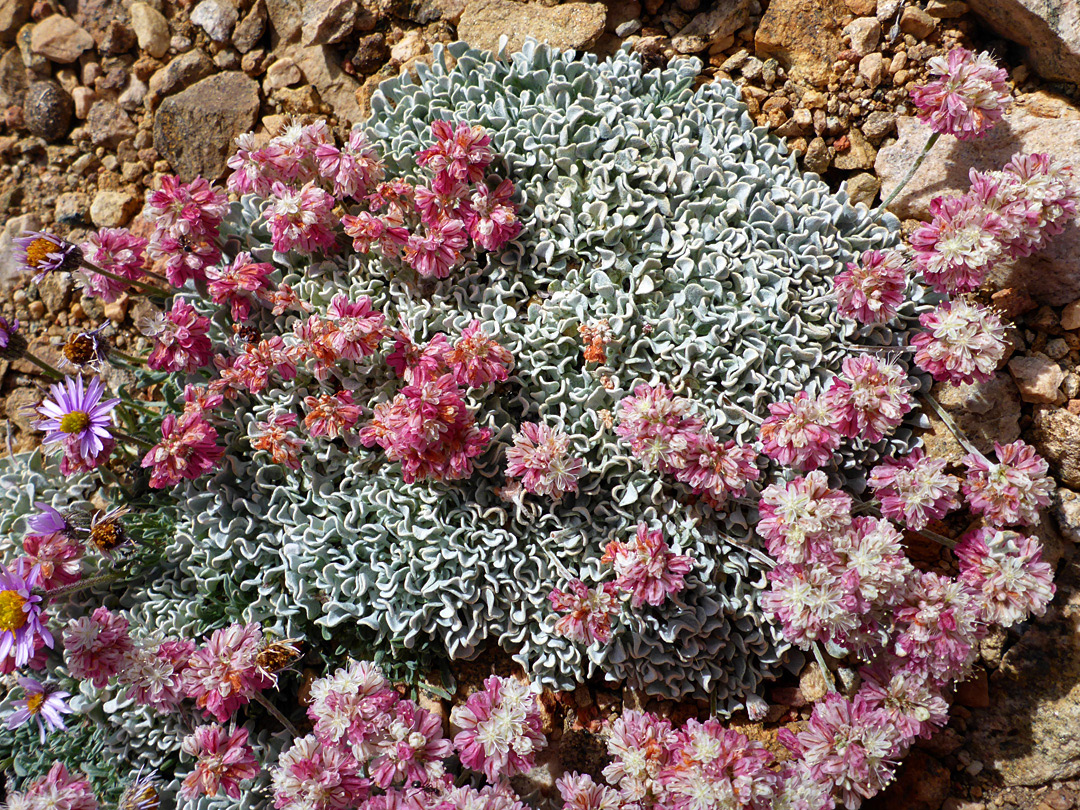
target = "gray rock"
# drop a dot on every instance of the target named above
(108, 125)
(181, 72)
(570, 25)
(60, 40)
(47, 110)
(95, 16)
(132, 97)
(194, 129)
(151, 29)
(1049, 30)
(1067, 513)
(13, 80)
(878, 125)
(13, 15)
(118, 38)
(712, 26)
(216, 17)
(250, 29)
(1056, 435)
(1028, 735)
(325, 22)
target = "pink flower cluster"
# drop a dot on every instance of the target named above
(871, 290)
(186, 219)
(116, 251)
(963, 342)
(1013, 490)
(540, 458)
(646, 568)
(869, 398)
(365, 738)
(223, 674)
(429, 227)
(181, 338)
(588, 611)
(96, 647)
(800, 433)
(56, 790)
(968, 96)
(915, 489)
(500, 728)
(240, 281)
(665, 435)
(188, 449)
(223, 759)
(1007, 572)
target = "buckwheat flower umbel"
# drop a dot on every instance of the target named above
(254, 169)
(368, 230)
(957, 248)
(871, 290)
(301, 219)
(848, 744)
(42, 253)
(297, 143)
(714, 768)
(588, 611)
(814, 601)
(500, 729)
(354, 169)
(915, 707)
(411, 748)
(540, 457)
(1007, 571)
(237, 283)
(358, 328)
(259, 360)
(437, 249)
(491, 216)
(640, 746)
(223, 759)
(795, 515)
(222, 675)
(78, 419)
(58, 556)
(42, 704)
(188, 448)
(418, 363)
(95, 646)
(186, 208)
(799, 790)
(183, 257)
(963, 342)
(658, 426)
(937, 628)
(1050, 189)
(915, 489)
(441, 201)
(718, 470)
(181, 339)
(476, 360)
(331, 415)
(646, 568)
(873, 549)
(580, 792)
(466, 797)
(800, 433)
(57, 790)
(117, 251)
(463, 153)
(1013, 490)
(869, 398)
(313, 776)
(154, 675)
(274, 436)
(21, 619)
(968, 95)
(349, 707)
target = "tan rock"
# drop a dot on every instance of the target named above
(283, 73)
(947, 9)
(864, 33)
(113, 209)
(571, 25)
(83, 98)
(862, 7)
(409, 46)
(60, 40)
(13, 14)
(1038, 378)
(1038, 122)
(321, 67)
(711, 27)
(863, 188)
(859, 155)
(986, 413)
(151, 29)
(1049, 30)
(803, 36)
(872, 69)
(1070, 316)
(917, 22)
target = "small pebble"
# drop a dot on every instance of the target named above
(37, 310)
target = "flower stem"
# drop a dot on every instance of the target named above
(270, 707)
(81, 585)
(937, 538)
(877, 212)
(943, 415)
(56, 374)
(135, 439)
(132, 404)
(825, 672)
(138, 285)
(130, 359)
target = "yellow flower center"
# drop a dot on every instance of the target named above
(37, 251)
(107, 536)
(12, 616)
(35, 702)
(75, 422)
(79, 350)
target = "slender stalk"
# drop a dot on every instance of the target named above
(877, 212)
(270, 707)
(881, 349)
(937, 538)
(943, 415)
(130, 359)
(825, 672)
(134, 439)
(138, 285)
(141, 408)
(81, 585)
(56, 374)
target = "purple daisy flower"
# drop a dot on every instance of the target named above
(12, 342)
(20, 615)
(78, 417)
(7, 330)
(47, 520)
(43, 703)
(43, 253)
